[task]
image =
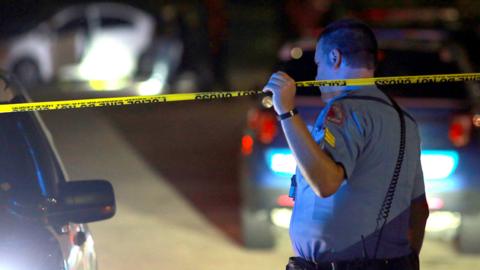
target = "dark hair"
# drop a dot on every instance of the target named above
(355, 41)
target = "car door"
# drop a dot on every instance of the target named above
(117, 40)
(32, 175)
(71, 41)
(75, 240)
(29, 176)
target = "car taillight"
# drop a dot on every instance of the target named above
(460, 130)
(264, 124)
(247, 145)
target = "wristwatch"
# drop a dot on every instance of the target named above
(287, 115)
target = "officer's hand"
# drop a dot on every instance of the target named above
(283, 89)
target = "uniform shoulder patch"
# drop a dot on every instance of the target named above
(329, 138)
(336, 114)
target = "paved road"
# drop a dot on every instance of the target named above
(155, 224)
(174, 170)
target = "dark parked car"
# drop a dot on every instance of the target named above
(448, 121)
(42, 214)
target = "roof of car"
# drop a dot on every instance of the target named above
(424, 39)
(70, 11)
(426, 16)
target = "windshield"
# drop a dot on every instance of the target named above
(410, 62)
(28, 167)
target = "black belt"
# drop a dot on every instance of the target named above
(299, 263)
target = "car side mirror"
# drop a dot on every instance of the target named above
(84, 201)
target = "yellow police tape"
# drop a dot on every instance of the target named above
(439, 78)
(119, 101)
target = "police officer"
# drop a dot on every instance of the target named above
(346, 164)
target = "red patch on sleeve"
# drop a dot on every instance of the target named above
(336, 114)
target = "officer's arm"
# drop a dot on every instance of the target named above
(322, 173)
(418, 219)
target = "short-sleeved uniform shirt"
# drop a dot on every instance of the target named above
(363, 136)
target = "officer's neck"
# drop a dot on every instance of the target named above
(330, 92)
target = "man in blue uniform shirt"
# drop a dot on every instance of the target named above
(346, 162)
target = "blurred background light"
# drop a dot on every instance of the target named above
(285, 201)
(439, 164)
(107, 60)
(281, 217)
(443, 220)
(476, 120)
(281, 161)
(151, 86)
(435, 203)
(156, 83)
(296, 53)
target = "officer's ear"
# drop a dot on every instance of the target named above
(335, 58)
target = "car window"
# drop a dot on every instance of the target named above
(76, 24)
(114, 22)
(27, 164)
(410, 62)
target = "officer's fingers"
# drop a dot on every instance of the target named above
(266, 89)
(284, 75)
(285, 81)
(271, 87)
(278, 76)
(277, 81)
